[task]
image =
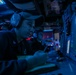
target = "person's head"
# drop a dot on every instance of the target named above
(23, 23)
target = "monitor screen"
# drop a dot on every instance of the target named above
(48, 38)
(47, 35)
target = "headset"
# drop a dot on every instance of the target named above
(16, 20)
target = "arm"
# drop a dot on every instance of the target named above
(17, 67)
(11, 67)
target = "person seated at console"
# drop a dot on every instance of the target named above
(11, 46)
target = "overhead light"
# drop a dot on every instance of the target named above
(2, 2)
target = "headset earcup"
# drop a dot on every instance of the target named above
(15, 19)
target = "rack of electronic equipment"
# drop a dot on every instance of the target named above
(69, 30)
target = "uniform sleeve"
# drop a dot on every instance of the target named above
(3, 45)
(12, 67)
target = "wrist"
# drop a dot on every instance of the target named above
(31, 62)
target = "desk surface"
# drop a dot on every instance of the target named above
(48, 67)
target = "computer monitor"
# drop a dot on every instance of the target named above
(47, 34)
(48, 37)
